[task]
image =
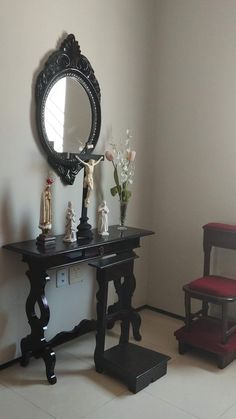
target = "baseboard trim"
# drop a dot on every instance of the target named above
(140, 308)
(9, 363)
(159, 310)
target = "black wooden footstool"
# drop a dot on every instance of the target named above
(133, 364)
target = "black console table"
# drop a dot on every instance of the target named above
(119, 244)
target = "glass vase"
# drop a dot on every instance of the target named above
(123, 209)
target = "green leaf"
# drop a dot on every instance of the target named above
(116, 178)
(114, 190)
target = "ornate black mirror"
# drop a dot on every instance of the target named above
(68, 109)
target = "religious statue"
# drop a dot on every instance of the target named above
(88, 178)
(45, 221)
(70, 233)
(103, 219)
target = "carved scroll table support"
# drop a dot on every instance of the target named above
(35, 343)
(125, 292)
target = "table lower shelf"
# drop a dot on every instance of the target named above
(135, 365)
(205, 334)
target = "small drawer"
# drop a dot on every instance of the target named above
(110, 248)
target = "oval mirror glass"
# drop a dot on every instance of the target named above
(68, 116)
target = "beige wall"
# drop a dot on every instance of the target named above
(115, 36)
(167, 70)
(194, 138)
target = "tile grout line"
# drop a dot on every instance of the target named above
(226, 410)
(103, 404)
(30, 402)
(8, 387)
(172, 405)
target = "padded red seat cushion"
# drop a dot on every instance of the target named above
(214, 285)
(220, 226)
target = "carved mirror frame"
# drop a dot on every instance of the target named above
(68, 61)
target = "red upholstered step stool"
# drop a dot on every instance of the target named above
(205, 334)
(217, 336)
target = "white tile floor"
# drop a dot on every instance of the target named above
(193, 387)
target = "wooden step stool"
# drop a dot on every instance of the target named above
(135, 365)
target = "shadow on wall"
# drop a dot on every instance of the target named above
(32, 108)
(8, 352)
(12, 289)
(9, 229)
(25, 232)
(6, 215)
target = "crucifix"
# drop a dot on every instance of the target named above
(84, 228)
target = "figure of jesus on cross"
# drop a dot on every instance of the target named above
(88, 178)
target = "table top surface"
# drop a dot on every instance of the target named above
(31, 248)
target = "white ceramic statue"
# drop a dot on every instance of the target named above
(70, 233)
(103, 219)
(45, 220)
(88, 179)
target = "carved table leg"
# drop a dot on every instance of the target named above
(25, 351)
(135, 317)
(125, 292)
(116, 307)
(101, 321)
(35, 343)
(49, 358)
